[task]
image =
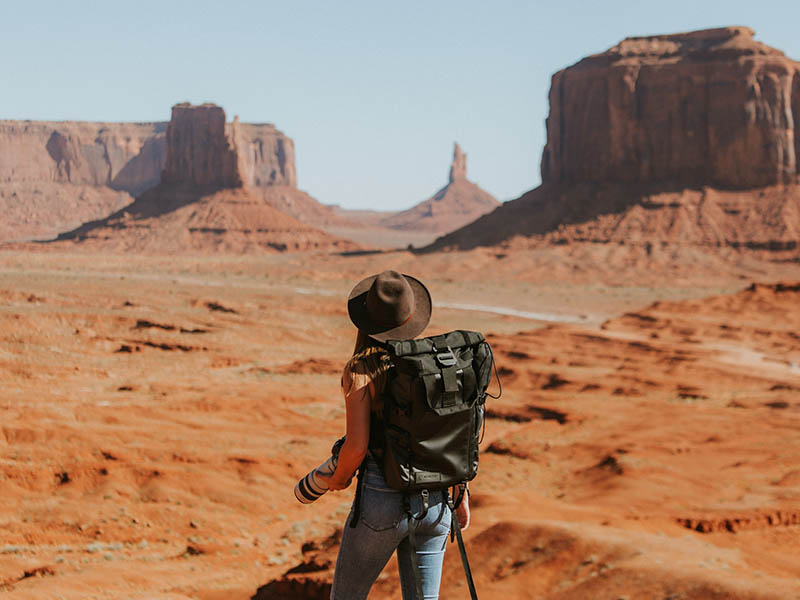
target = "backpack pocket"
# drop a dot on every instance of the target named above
(451, 388)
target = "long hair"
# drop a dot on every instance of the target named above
(362, 342)
(368, 365)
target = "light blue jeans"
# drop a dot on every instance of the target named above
(382, 528)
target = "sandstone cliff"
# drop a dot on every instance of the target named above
(265, 155)
(709, 107)
(122, 156)
(208, 198)
(673, 140)
(56, 175)
(205, 150)
(199, 153)
(456, 204)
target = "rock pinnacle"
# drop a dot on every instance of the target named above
(458, 168)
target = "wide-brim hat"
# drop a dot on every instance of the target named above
(390, 306)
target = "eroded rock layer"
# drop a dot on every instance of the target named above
(766, 220)
(199, 151)
(711, 107)
(55, 176)
(673, 140)
(207, 200)
(172, 219)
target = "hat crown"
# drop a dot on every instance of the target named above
(390, 299)
(390, 305)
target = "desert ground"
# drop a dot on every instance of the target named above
(156, 413)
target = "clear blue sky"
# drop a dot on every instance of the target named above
(373, 93)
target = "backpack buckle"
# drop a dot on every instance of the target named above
(446, 359)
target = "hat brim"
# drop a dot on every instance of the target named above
(357, 308)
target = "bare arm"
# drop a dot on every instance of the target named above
(357, 405)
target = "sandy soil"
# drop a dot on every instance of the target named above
(156, 412)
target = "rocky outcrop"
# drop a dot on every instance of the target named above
(208, 200)
(265, 155)
(458, 168)
(204, 150)
(173, 219)
(199, 153)
(672, 140)
(456, 204)
(636, 216)
(56, 175)
(122, 156)
(710, 107)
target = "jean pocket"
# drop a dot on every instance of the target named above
(445, 519)
(380, 509)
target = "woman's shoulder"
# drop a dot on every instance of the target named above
(365, 366)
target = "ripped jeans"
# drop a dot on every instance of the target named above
(382, 528)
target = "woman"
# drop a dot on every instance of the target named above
(383, 307)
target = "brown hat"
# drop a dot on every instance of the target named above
(390, 306)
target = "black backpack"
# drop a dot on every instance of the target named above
(433, 409)
(432, 422)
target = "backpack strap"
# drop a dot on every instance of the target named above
(496, 374)
(412, 537)
(455, 526)
(357, 500)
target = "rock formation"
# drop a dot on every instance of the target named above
(199, 153)
(208, 198)
(710, 107)
(207, 151)
(56, 175)
(121, 156)
(458, 168)
(265, 155)
(456, 204)
(684, 139)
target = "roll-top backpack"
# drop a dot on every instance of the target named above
(432, 421)
(433, 406)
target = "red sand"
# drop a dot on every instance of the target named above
(156, 413)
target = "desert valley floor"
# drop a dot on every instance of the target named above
(155, 414)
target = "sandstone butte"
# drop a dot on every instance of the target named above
(214, 194)
(684, 139)
(55, 176)
(456, 204)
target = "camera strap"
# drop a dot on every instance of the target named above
(412, 537)
(357, 500)
(455, 527)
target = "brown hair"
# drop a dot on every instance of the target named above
(367, 367)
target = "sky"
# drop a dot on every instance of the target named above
(373, 93)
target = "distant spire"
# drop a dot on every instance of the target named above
(458, 168)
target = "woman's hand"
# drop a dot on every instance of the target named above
(334, 484)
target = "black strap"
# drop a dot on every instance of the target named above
(496, 374)
(412, 525)
(449, 386)
(455, 526)
(357, 499)
(412, 540)
(462, 489)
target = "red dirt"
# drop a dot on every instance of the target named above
(157, 411)
(174, 219)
